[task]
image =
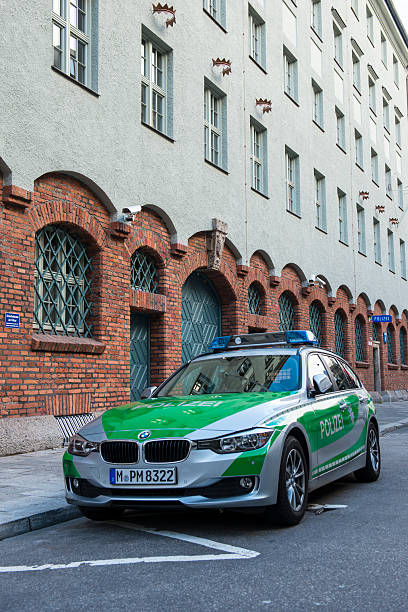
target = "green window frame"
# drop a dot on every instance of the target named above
(254, 300)
(390, 344)
(286, 312)
(358, 330)
(143, 272)
(339, 334)
(315, 320)
(403, 346)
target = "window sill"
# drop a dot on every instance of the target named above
(260, 193)
(317, 34)
(355, 14)
(342, 242)
(363, 254)
(362, 364)
(387, 129)
(341, 148)
(215, 21)
(158, 132)
(210, 163)
(292, 212)
(320, 229)
(292, 99)
(375, 182)
(66, 344)
(361, 167)
(404, 366)
(257, 64)
(392, 271)
(378, 263)
(356, 89)
(371, 41)
(373, 112)
(338, 64)
(392, 366)
(389, 197)
(319, 126)
(398, 145)
(143, 301)
(81, 85)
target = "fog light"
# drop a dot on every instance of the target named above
(247, 483)
(75, 483)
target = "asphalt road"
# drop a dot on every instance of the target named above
(355, 558)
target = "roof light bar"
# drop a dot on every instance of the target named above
(264, 339)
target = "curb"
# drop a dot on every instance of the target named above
(67, 513)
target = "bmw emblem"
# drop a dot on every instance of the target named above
(144, 434)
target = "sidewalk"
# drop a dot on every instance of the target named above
(32, 484)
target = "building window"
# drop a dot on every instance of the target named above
(257, 47)
(286, 312)
(358, 331)
(358, 141)
(403, 346)
(397, 131)
(290, 67)
(71, 33)
(156, 75)
(292, 181)
(216, 8)
(317, 104)
(339, 333)
(403, 260)
(340, 129)
(372, 95)
(356, 71)
(259, 168)
(315, 321)
(395, 70)
(377, 241)
(388, 182)
(390, 344)
(62, 283)
(320, 200)
(215, 127)
(374, 166)
(370, 24)
(143, 272)
(354, 6)
(391, 257)
(338, 45)
(361, 233)
(343, 230)
(383, 49)
(400, 195)
(254, 300)
(317, 17)
(386, 114)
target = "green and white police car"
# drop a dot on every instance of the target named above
(258, 422)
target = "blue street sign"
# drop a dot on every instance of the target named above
(382, 318)
(12, 320)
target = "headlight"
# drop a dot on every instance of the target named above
(79, 446)
(247, 441)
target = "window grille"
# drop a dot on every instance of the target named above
(143, 272)
(403, 346)
(390, 344)
(375, 332)
(315, 321)
(358, 328)
(339, 334)
(254, 300)
(62, 282)
(286, 313)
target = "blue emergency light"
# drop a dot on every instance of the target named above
(264, 339)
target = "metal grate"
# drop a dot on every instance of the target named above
(375, 332)
(390, 344)
(62, 282)
(143, 272)
(403, 347)
(358, 329)
(69, 425)
(120, 451)
(315, 321)
(339, 333)
(254, 300)
(166, 451)
(286, 313)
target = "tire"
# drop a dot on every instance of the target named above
(293, 486)
(100, 514)
(371, 471)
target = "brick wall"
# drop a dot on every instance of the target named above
(41, 374)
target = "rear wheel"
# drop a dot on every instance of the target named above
(371, 471)
(100, 514)
(293, 486)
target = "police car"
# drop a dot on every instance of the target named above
(259, 421)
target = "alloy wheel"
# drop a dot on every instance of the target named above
(295, 479)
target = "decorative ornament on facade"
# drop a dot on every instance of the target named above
(166, 9)
(224, 64)
(393, 220)
(380, 208)
(364, 194)
(215, 243)
(266, 105)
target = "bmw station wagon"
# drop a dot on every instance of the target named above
(259, 421)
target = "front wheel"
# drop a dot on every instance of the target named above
(292, 487)
(371, 471)
(100, 514)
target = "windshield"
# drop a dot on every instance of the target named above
(236, 374)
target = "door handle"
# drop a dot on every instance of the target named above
(343, 406)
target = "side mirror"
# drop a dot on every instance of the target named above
(322, 383)
(148, 392)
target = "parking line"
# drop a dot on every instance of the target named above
(228, 553)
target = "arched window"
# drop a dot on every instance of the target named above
(254, 300)
(375, 332)
(143, 272)
(403, 346)
(315, 320)
(358, 330)
(390, 344)
(286, 312)
(62, 283)
(339, 324)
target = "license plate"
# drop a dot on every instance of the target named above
(143, 476)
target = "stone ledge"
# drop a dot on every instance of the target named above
(148, 302)
(16, 197)
(28, 434)
(66, 344)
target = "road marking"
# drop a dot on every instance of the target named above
(229, 553)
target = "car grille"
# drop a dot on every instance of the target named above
(120, 452)
(166, 451)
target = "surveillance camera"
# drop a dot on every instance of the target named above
(131, 212)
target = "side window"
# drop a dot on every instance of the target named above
(337, 372)
(315, 366)
(354, 382)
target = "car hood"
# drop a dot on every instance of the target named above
(188, 416)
